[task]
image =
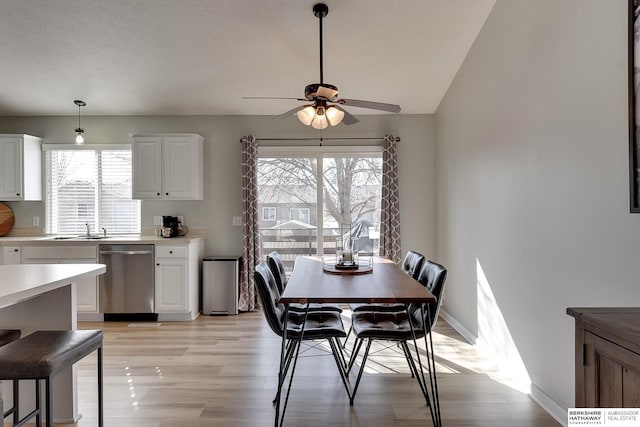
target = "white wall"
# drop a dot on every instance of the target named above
(532, 177)
(223, 172)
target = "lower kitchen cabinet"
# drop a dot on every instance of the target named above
(178, 280)
(10, 255)
(607, 357)
(171, 285)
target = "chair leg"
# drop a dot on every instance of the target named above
(364, 362)
(414, 370)
(354, 353)
(287, 362)
(100, 390)
(344, 345)
(48, 406)
(336, 349)
(16, 401)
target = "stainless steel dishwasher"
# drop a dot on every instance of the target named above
(127, 289)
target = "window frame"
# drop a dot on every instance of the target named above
(318, 153)
(270, 209)
(84, 147)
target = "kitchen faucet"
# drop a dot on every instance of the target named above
(88, 229)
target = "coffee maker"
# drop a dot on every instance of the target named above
(170, 227)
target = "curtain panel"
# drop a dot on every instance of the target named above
(248, 300)
(390, 207)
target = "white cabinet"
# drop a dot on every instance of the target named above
(20, 167)
(178, 280)
(86, 289)
(168, 166)
(10, 255)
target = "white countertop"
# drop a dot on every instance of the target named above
(25, 281)
(127, 239)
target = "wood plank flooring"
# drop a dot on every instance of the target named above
(222, 371)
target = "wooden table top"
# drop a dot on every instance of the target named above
(386, 284)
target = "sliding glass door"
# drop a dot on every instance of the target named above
(314, 201)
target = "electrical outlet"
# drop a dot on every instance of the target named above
(237, 220)
(36, 221)
(180, 219)
(157, 220)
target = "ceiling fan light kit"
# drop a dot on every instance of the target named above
(325, 108)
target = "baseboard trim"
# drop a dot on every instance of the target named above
(549, 405)
(466, 334)
(556, 411)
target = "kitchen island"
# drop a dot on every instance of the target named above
(43, 297)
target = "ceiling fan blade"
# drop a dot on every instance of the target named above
(392, 108)
(271, 97)
(288, 113)
(327, 92)
(348, 118)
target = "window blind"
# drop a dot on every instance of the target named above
(90, 186)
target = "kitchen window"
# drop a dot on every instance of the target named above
(89, 185)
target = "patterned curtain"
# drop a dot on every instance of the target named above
(390, 209)
(248, 300)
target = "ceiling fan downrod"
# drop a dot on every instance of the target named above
(320, 10)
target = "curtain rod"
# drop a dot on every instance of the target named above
(396, 139)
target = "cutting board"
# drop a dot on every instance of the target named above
(6, 219)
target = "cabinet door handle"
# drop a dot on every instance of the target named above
(166, 194)
(158, 264)
(157, 194)
(16, 250)
(170, 252)
(17, 194)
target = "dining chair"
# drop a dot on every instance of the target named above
(411, 265)
(307, 326)
(403, 326)
(274, 260)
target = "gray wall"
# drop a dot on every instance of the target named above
(223, 172)
(532, 179)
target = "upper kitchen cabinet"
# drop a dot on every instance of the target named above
(168, 166)
(20, 167)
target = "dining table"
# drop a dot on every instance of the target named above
(316, 280)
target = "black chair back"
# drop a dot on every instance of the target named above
(433, 277)
(412, 263)
(270, 297)
(277, 269)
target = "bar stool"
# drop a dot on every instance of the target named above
(42, 355)
(7, 336)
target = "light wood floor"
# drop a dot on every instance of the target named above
(221, 371)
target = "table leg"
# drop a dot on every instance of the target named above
(431, 364)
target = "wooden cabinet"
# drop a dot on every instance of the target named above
(20, 167)
(10, 255)
(178, 281)
(607, 357)
(168, 166)
(86, 289)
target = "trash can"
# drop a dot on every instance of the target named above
(220, 281)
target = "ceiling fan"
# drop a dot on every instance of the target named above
(326, 107)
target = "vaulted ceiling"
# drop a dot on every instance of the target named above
(193, 57)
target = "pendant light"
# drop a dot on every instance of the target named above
(79, 130)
